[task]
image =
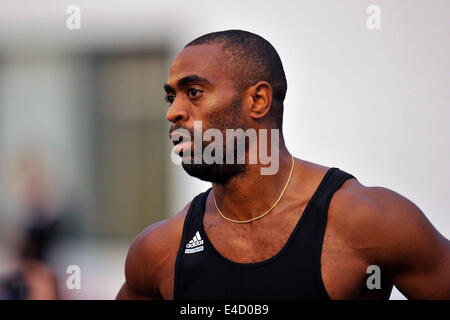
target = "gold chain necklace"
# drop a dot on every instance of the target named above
(259, 217)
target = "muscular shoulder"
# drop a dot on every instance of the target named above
(379, 223)
(354, 206)
(151, 254)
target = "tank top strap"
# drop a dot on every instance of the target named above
(197, 207)
(193, 223)
(332, 181)
(190, 229)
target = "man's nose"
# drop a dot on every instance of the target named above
(177, 112)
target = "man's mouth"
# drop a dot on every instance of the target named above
(180, 141)
(179, 148)
(177, 135)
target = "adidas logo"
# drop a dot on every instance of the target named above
(195, 245)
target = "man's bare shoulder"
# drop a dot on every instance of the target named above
(362, 211)
(378, 222)
(152, 252)
(169, 229)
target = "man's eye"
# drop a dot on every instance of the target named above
(192, 92)
(170, 99)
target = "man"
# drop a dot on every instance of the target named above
(305, 232)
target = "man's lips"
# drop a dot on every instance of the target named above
(176, 136)
(179, 147)
(181, 141)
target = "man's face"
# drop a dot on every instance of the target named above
(200, 88)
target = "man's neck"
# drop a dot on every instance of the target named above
(250, 194)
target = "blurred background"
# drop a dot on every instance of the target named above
(84, 149)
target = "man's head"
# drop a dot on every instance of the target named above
(228, 80)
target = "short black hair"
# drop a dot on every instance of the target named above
(253, 59)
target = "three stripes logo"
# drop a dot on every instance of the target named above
(195, 245)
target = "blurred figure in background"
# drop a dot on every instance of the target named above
(32, 277)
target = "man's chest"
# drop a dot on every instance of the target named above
(343, 271)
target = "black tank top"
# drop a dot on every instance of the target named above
(201, 272)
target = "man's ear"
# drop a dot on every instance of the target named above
(260, 98)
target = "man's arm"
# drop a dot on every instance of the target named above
(392, 232)
(150, 262)
(417, 255)
(141, 272)
(126, 293)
